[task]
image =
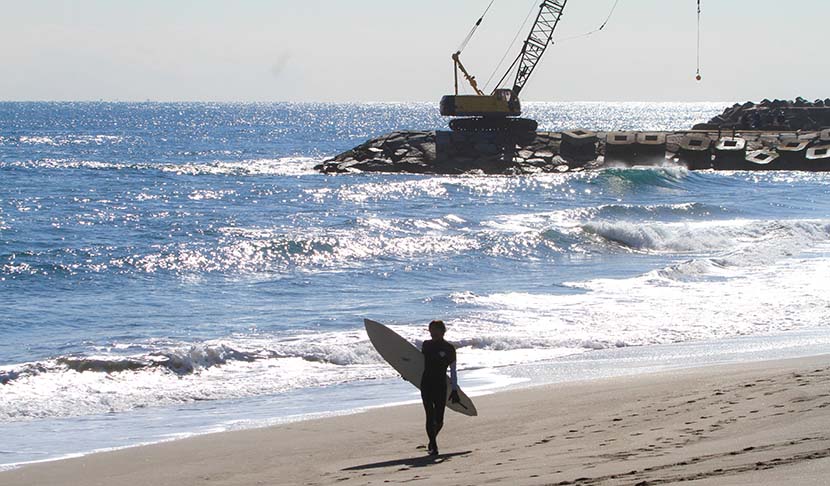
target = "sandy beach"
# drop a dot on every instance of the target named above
(756, 423)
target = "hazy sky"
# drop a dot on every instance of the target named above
(395, 50)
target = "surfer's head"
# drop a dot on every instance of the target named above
(437, 329)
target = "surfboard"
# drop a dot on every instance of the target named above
(409, 362)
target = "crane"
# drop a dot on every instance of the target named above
(499, 110)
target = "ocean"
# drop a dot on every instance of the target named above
(170, 269)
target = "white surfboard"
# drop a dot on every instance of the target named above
(409, 362)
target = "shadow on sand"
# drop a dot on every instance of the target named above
(420, 461)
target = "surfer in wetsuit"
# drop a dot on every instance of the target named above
(438, 356)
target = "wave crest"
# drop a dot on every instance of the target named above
(705, 236)
(638, 179)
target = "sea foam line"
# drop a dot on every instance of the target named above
(283, 166)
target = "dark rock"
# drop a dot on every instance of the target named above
(486, 148)
(419, 167)
(705, 126)
(396, 139)
(429, 152)
(459, 137)
(771, 115)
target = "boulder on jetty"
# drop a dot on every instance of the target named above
(730, 141)
(798, 114)
(444, 152)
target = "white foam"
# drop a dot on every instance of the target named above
(37, 140)
(653, 309)
(714, 235)
(736, 277)
(667, 237)
(264, 249)
(500, 329)
(438, 187)
(205, 194)
(377, 191)
(68, 393)
(165, 373)
(268, 249)
(283, 166)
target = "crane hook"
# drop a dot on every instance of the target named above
(698, 77)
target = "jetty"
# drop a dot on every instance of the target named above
(772, 135)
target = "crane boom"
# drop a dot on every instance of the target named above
(550, 11)
(498, 110)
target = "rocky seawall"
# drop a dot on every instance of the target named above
(444, 152)
(780, 115)
(770, 135)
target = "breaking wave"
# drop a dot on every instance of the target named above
(706, 236)
(369, 241)
(638, 179)
(240, 251)
(90, 384)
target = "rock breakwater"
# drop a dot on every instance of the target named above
(444, 152)
(798, 114)
(770, 135)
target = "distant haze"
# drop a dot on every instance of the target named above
(382, 50)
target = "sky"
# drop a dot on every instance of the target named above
(395, 50)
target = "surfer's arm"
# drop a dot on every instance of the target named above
(453, 376)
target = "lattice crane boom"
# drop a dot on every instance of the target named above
(541, 35)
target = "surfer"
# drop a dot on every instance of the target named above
(438, 356)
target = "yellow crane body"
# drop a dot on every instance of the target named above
(481, 105)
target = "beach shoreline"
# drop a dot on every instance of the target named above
(27, 442)
(745, 422)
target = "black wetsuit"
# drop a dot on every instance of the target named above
(438, 356)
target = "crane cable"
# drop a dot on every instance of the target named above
(602, 26)
(697, 76)
(533, 8)
(592, 32)
(473, 30)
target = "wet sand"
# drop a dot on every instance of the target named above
(755, 423)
